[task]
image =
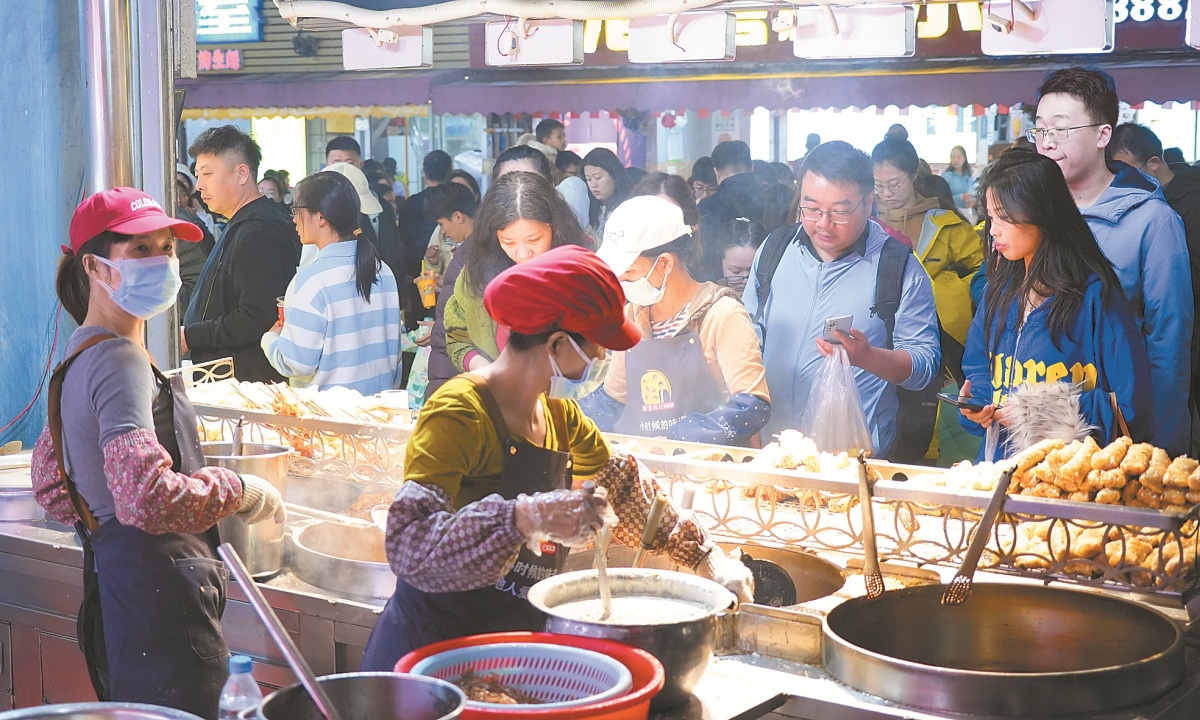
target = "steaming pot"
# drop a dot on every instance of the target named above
(260, 545)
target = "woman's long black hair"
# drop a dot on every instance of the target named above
(512, 197)
(334, 196)
(1030, 189)
(607, 161)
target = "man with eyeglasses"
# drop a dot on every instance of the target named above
(827, 267)
(1137, 230)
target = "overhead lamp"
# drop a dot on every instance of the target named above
(523, 42)
(688, 37)
(400, 47)
(1041, 27)
(855, 32)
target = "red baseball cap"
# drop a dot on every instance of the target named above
(567, 288)
(128, 211)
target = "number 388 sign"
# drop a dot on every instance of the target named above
(1147, 10)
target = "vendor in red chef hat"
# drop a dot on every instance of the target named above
(490, 508)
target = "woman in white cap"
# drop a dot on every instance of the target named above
(121, 461)
(698, 373)
(341, 324)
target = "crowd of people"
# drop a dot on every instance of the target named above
(732, 273)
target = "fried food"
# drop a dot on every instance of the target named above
(1130, 551)
(1057, 458)
(1174, 496)
(1073, 472)
(1129, 495)
(1178, 472)
(488, 689)
(1192, 497)
(1137, 459)
(1194, 480)
(1080, 496)
(1109, 496)
(1046, 490)
(1156, 471)
(1149, 498)
(1111, 456)
(1037, 551)
(1035, 454)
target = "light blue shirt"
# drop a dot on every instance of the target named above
(331, 336)
(805, 292)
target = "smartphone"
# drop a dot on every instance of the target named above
(968, 403)
(842, 324)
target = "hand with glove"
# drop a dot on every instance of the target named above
(260, 501)
(570, 517)
(729, 572)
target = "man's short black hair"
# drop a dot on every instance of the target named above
(437, 166)
(840, 163)
(343, 142)
(1173, 156)
(547, 126)
(1094, 88)
(566, 159)
(1136, 140)
(230, 143)
(732, 155)
(442, 201)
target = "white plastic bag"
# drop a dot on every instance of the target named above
(834, 416)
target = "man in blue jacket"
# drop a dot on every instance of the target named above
(829, 270)
(1135, 227)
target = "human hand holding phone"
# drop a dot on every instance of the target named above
(983, 416)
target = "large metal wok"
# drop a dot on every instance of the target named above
(1008, 650)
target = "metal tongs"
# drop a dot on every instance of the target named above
(959, 588)
(872, 577)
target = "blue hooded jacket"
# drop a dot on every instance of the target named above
(1102, 349)
(1143, 238)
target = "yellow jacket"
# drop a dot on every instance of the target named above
(952, 252)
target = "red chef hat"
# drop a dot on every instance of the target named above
(567, 288)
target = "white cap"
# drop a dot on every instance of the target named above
(639, 224)
(183, 169)
(366, 198)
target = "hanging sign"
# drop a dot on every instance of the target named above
(228, 21)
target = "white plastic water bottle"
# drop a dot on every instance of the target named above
(240, 691)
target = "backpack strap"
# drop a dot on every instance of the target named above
(773, 249)
(889, 283)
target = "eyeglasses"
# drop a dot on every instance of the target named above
(893, 186)
(837, 217)
(1055, 134)
(736, 279)
(296, 209)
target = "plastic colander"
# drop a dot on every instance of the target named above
(563, 677)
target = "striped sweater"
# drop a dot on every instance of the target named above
(332, 337)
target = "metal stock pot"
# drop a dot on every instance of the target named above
(363, 696)
(98, 711)
(1008, 650)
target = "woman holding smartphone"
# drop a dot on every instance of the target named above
(1053, 311)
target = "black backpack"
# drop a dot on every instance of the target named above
(916, 418)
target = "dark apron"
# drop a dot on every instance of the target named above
(414, 618)
(150, 622)
(666, 380)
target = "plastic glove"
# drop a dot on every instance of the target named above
(570, 517)
(729, 572)
(260, 501)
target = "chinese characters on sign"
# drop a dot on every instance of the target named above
(228, 21)
(218, 59)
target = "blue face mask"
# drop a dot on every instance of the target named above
(148, 285)
(565, 388)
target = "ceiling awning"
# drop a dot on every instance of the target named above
(451, 93)
(325, 112)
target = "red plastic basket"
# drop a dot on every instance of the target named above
(647, 672)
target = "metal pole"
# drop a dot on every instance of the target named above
(108, 65)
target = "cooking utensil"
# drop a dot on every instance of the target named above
(373, 696)
(653, 520)
(872, 576)
(259, 545)
(959, 588)
(1015, 649)
(98, 711)
(772, 584)
(683, 646)
(602, 572)
(294, 659)
(303, 511)
(237, 436)
(345, 559)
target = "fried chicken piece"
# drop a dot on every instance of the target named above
(1031, 456)
(1115, 478)
(1129, 495)
(1073, 472)
(1174, 496)
(1137, 459)
(1194, 480)
(1080, 496)
(1042, 473)
(1036, 557)
(1156, 470)
(1057, 458)
(1132, 551)
(1192, 497)
(1039, 530)
(1149, 498)
(1046, 490)
(1178, 472)
(1111, 456)
(1109, 496)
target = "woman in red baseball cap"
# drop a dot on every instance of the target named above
(489, 509)
(121, 461)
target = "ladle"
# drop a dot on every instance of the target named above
(959, 588)
(294, 659)
(872, 576)
(304, 511)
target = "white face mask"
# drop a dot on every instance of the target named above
(642, 292)
(565, 388)
(148, 285)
